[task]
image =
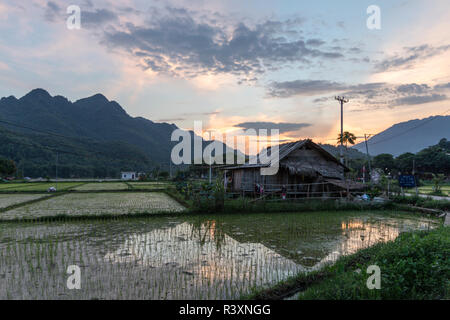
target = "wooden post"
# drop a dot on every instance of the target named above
(348, 190)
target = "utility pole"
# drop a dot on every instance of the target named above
(414, 175)
(210, 171)
(56, 174)
(367, 136)
(342, 100)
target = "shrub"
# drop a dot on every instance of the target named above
(415, 266)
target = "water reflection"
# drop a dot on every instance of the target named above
(220, 258)
(204, 252)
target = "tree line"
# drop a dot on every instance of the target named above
(431, 160)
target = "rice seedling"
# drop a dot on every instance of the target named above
(209, 257)
(81, 204)
(7, 200)
(99, 186)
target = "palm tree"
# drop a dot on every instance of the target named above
(346, 138)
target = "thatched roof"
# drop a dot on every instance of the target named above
(286, 149)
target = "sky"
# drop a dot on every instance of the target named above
(237, 64)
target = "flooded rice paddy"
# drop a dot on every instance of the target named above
(202, 257)
(7, 200)
(76, 204)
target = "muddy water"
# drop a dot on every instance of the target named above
(208, 257)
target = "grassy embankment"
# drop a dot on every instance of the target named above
(414, 266)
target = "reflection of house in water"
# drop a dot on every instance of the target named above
(315, 248)
(206, 252)
(305, 168)
(213, 256)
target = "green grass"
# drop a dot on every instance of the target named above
(414, 266)
(246, 205)
(429, 190)
(423, 202)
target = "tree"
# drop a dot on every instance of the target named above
(346, 138)
(7, 167)
(384, 161)
(433, 159)
(444, 144)
(404, 162)
(438, 180)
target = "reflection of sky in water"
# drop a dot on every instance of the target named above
(196, 251)
(206, 252)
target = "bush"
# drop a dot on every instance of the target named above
(415, 266)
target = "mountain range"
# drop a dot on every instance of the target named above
(409, 136)
(92, 136)
(94, 118)
(95, 137)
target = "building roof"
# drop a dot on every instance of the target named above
(286, 149)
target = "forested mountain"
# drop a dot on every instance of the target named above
(36, 155)
(95, 118)
(92, 137)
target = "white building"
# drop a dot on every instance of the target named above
(129, 175)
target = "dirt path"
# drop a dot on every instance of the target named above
(427, 195)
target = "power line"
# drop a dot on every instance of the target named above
(342, 100)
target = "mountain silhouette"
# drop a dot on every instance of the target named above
(409, 136)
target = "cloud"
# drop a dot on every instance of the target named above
(177, 42)
(409, 57)
(170, 120)
(315, 42)
(303, 87)
(97, 17)
(282, 126)
(380, 95)
(89, 18)
(412, 100)
(413, 88)
(373, 95)
(52, 10)
(189, 115)
(442, 86)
